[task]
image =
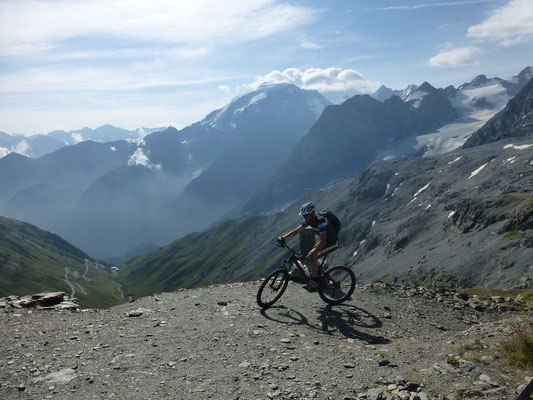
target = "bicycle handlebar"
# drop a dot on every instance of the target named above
(286, 246)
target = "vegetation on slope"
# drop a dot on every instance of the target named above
(33, 261)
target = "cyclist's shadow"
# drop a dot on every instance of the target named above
(344, 318)
(349, 321)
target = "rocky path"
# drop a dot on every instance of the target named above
(215, 343)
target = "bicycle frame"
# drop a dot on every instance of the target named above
(295, 259)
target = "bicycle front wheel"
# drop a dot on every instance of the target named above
(337, 285)
(272, 288)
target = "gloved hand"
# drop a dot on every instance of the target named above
(280, 240)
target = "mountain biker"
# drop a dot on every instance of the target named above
(328, 240)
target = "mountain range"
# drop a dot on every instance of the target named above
(347, 137)
(108, 198)
(459, 219)
(38, 145)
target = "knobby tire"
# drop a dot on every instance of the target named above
(337, 285)
(272, 288)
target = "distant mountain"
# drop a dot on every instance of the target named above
(33, 261)
(516, 119)
(347, 138)
(461, 219)
(251, 138)
(38, 145)
(475, 102)
(384, 93)
(108, 198)
(43, 190)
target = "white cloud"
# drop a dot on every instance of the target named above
(75, 78)
(76, 137)
(307, 44)
(29, 26)
(461, 56)
(4, 152)
(334, 83)
(441, 4)
(508, 25)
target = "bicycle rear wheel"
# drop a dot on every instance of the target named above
(337, 285)
(272, 288)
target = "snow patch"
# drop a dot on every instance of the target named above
(451, 214)
(417, 97)
(477, 171)
(139, 158)
(520, 147)
(138, 142)
(509, 160)
(457, 159)
(422, 189)
(427, 207)
(113, 148)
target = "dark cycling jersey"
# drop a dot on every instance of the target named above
(322, 224)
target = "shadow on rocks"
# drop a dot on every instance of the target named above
(347, 319)
(284, 315)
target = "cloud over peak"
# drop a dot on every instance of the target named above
(335, 83)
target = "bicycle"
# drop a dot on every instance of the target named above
(336, 284)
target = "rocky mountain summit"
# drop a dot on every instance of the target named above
(387, 342)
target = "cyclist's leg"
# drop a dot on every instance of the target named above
(330, 248)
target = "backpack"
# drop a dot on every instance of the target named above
(331, 218)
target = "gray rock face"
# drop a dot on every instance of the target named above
(455, 220)
(186, 346)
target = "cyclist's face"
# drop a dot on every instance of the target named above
(308, 217)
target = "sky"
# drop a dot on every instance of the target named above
(69, 64)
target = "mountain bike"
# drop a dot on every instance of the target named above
(336, 283)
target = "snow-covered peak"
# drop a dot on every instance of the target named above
(384, 93)
(480, 81)
(265, 96)
(416, 96)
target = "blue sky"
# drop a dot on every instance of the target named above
(66, 64)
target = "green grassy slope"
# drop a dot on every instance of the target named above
(33, 260)
(225, 253)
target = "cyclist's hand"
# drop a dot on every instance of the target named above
(309, 258)
(280, 241)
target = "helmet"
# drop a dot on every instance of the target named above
(307, 208)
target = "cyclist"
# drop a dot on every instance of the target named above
(328, 242)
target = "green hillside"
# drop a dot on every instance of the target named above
(33, 260)
(232, 251)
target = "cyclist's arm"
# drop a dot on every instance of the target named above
(294, 232)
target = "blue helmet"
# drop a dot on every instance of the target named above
(307, 208)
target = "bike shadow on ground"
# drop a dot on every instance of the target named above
(351, 322)
(284, 315)
(346, 320)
